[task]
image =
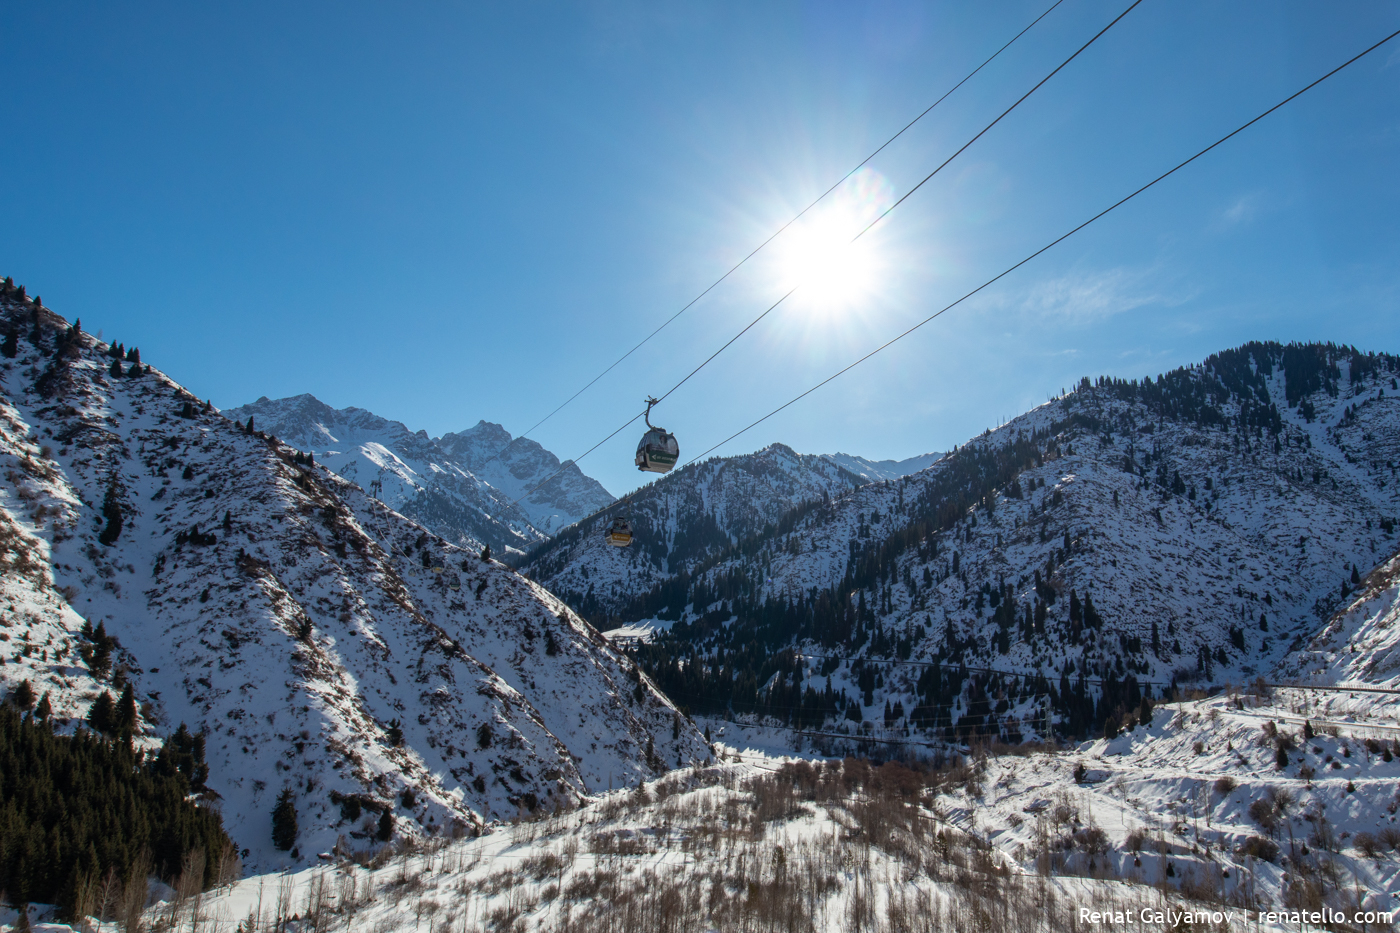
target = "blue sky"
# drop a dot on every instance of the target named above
(450, 212)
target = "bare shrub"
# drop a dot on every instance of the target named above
(1323, 836)
(1260, 848)
(1262, 812)
(1226, 785)
(1092, 840)
(1367, 844)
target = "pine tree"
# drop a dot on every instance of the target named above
(1145, 711)
(1355, 576)
(284, 820)
(111, 510)
(126, 712)
(45, 709)
(11, 347)
(23, 696)
(116, 370)
(101, 660)
(103, 715)
(386, 826)
(486, 552)
(249, 429)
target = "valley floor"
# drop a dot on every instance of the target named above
(1190, 821)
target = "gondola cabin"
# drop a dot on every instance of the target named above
(658, 451)
(620, 534)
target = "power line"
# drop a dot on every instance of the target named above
(777, 233)
(1048, 246)
(868, 227)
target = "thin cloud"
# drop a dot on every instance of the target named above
(1087, 297)
(1243, 210)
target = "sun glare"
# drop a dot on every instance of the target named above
(820, 253)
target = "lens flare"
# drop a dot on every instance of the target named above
(820, 253)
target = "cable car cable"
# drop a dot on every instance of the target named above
(1049, 245)
(887, 211)
(862, 233)
(755, 251)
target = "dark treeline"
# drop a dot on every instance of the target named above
(79, 809)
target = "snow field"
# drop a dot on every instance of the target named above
(1005, 842)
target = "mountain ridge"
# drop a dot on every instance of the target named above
(451, 483)
(1195, 528)
(698, 510)
(323, 644)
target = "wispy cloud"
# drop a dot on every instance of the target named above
(1087, 297)
(1242, 210)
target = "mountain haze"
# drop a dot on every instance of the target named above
(876, 470)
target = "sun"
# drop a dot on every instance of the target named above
(823, 255)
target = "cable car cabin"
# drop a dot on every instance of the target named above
(620, 534)
(658, 451)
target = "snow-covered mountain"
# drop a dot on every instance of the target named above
(463, 485)
(1361, 643)
(680, 521)
(1196, 528)
(875, 470)
(517, 465)
(322, 642)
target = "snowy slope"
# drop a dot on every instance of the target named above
(1189, 815)
(875, 470)
(687, 516)
(1213, 539)
(1361, 643)
(450, 484)
(294, 618)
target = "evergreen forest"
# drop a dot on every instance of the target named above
(85, 812)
